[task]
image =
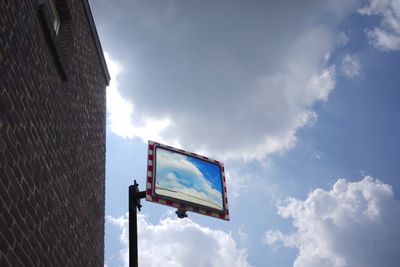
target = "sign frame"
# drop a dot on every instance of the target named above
(180, 204)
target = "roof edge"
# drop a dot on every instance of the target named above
(95, 36)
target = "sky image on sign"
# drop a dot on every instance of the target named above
(186, 181)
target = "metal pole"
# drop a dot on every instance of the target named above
(133, 248)
(134, 204)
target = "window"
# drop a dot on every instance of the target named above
(50, 14)
(55, 19)
(54, 16)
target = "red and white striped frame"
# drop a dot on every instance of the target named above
(151, 195)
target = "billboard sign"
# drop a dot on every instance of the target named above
(186, 181)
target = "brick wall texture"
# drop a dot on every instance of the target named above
(52, 142)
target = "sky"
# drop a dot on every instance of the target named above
(187, 178)
(299, 100)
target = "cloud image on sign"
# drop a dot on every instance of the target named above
(188, 178)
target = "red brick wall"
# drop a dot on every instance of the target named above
(52, 142)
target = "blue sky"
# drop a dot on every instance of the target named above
(299, 100)
(184, 176)
(210, 171)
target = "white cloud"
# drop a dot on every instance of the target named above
(318, 154)
(321, 84)
(353, 224)
(342, 39)
(237, 91)
(350, 66)
(238, 183)
(385, 37)
(241, 184)
(180, 242)
(192, 181)
(242, 233)
(120, 111)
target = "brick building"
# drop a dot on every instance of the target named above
(52, 143)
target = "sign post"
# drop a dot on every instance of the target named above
(134, 204)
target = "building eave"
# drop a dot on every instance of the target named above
(96, 39)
